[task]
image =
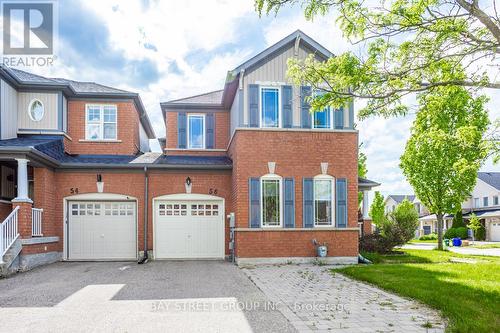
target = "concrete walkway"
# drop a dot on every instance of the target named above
(470, 250)
(315, 300)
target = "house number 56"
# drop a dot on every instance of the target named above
(212, 191)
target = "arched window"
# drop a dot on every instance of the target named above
(324, 200)
(271, 200)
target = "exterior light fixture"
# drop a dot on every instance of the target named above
(100, 183)
(188, 185)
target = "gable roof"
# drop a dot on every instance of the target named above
(71, 88)
(400, 197)
(290, 39)
(490, 178)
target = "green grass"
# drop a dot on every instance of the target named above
(467, 294)
(416, 241)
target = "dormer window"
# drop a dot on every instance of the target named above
(270, 111)
(36, 110)
(100, 122)
(196, 131)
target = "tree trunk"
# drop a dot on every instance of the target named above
(440, 230)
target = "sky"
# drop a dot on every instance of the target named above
(166, 50)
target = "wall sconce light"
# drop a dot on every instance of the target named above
(188, 185)
(100, 183)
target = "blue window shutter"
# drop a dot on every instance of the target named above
(289, 203)
(181, 130)
(351, 114)
(305, 115)
(254, 202)
(209, 131)
(253, 104)
(341, 202)
(308, 203)
(339, 118)
(287, 110)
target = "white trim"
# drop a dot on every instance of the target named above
(101, 122)
(97, 197)
(329, 116)
(332, 181)
(29, 109)
(280, 185)
(279, 105)
(203, 115)
(190, 197)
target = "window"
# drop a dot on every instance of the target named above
(322, 119)
(323, 202)
(495, 200)
(269, 107)
(196, 131)
(485, 201)
(271, 202)
(101, 122)
(36, 110)
(476, 202)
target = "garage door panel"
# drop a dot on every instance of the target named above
(102, 231)
(185, 230)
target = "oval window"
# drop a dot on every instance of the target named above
(36, 110)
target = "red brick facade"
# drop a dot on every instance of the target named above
(221, 119)
(127, 130)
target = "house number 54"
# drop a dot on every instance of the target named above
(73, 190)
(212, 191)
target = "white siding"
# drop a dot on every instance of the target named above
(65, 114)
(235, 111)
(50, 118)
(480, 191)
(9, 111)
(143, 140)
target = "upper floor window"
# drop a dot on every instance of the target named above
(323, 202)
(269, 98)
(495, 200)
(271, 201)
(196, 131)
(485, 201)
(476, 202)
(36, 110)
(322, 119)
(101, 122)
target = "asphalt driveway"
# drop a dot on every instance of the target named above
(189, 296)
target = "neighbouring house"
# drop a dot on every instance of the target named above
(245, 172)
(483, 202)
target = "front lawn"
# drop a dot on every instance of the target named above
(486, 246)
(466, 289)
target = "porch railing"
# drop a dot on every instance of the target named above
(36, 222)
(8, 233)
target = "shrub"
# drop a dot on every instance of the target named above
(451, 233)
(462, 233)
(480, 234)
(458, 220)
(429, 237)
(397, 229)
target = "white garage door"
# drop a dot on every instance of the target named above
(495, 231)
(189, 229)
(101, 230)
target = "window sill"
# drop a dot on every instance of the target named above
(100, 141)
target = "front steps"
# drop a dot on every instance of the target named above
(10, 263)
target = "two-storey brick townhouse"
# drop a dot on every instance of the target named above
(78, 180)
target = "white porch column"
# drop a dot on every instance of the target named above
(365, 205)
(421, 228)
(22, 181)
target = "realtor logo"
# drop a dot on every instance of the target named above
(29, 32)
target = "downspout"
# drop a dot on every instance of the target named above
(145, 258)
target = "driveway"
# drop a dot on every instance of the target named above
(314, 300)
(471, 250)
(175, 296)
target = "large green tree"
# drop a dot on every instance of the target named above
(404, 43)
(446, 149)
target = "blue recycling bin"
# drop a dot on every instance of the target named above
(457, 241)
